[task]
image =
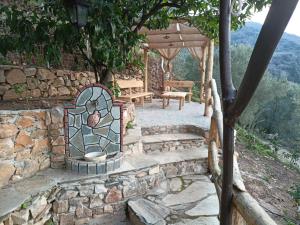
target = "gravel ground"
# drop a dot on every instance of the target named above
(152, 114)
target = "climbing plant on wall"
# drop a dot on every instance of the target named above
(111, 30)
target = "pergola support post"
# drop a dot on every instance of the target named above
(202, 67)
(146, 70)
(210, 65)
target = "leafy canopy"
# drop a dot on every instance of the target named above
(111, 30)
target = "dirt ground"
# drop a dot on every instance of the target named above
(269, 182)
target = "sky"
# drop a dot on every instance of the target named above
(293, 26)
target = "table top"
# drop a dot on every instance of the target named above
(174, 94)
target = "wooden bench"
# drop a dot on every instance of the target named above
(130, 84)
(180, 84)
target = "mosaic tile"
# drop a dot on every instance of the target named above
(101, 103)
(115, 126)
(74, 166)
(101, 131)
(77, 122)
(106, 95)
(71, 120)
(101, 168)
(91, 139)
(72, 131)
(86, 130)
(77, 141)
(92, 148)
(109, 166)
(103, 142)
(92, 168)
(74, 152)
(84, 117)
(105, 121)
(113, 137)
(96, 93)
(109, 105)
(115, 112)
(83, 168)
(91, 106)
(112, 149)
(103, 112)
(84, 97)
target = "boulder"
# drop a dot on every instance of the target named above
(15, 76)
(45, 74)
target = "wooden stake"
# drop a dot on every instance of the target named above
(209, 77)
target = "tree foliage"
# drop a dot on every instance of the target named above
(112, 27)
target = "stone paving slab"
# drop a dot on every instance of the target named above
(207, 207)
(152, 114)
(170, 137)
(199, 221)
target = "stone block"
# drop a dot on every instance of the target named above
(154, 170)
(59, 141)
(61, 206)
(114, 195)
(67, 219)
(15, 76)
(108, 209)
(45, 74)
(85, 190)
(58, 150)
(78, 201)
(67, 194)
(100, 188)
(2, 77)
(6, 147)
(7, 169)
(40, 146)
(25, 122)
(8, 130)
(24, 139)
(38, 205)
(57, 115)
(30, 71)
(95, 201)
(20, 217)
(83, 212)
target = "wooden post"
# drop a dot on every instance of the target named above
(146, 70)
(202, 68)
(209, 77)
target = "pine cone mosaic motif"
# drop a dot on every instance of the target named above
(93, 119)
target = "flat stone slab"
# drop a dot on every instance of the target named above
(170, 137)
(206, 207)
(200, 221)
(176, 184)
(148, 212)
(193, 193)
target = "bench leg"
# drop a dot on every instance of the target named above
(164, 102)
(151, 98)
(180, 102)
(168, 102)
(190, 98)
(142, 99)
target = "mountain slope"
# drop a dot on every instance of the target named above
(286, 60)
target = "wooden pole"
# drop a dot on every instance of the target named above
(210, 66)
(146, 70)
(202, 74)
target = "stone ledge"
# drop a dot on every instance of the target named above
(157, 138)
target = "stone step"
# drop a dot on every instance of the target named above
(145, 212)
(174, 163)
(171, 142)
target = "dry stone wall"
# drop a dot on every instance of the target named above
(34, 83)
(24, 144)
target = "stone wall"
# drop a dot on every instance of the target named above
(155, 74)
(26, 83)
(24, 144)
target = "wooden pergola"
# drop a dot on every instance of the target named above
(168, 42)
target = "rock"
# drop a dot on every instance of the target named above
(43, 86)
(40, 146)
(3, 89)
(8, 130)
(95, 201)
(7, 169)
(58, 82)
(63, 91)
(61, 206)
(175, 184)
(66, 219)
(147, 212)
(154, 170)
(36, 93)
(20, 217)
(30, 71)
(68, 83)
(108, 209)
(45, 74)
(194, 192)
(24, 139)
(52, 91)
(141, 174)
(78, 201)
(2, 77)
(24, 122)
(85, 190)
(206, 207)
(32, 83)
(6, 147)
(15, 76)
(10, 94)
(38, 205)
(28, 168)
(114, 195)
(57, 115)
(100, 188)
(83, 212)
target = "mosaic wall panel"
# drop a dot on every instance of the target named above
(93, 123)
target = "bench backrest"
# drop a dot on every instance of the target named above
(133, 83)
(179, 84)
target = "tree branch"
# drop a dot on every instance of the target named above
(154, 10)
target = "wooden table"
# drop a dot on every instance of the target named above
(173, 95)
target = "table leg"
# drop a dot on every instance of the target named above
(164, 103)
(180, 99)
(142, 101)
(168, 102)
